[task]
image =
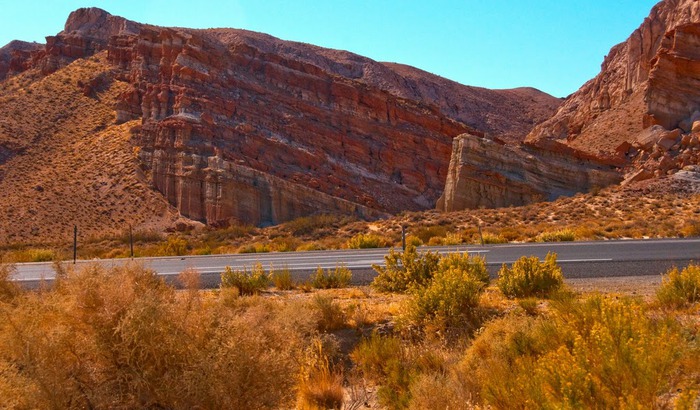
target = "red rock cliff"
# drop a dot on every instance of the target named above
(244, 126)
(649, 79)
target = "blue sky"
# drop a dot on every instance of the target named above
(553, 45)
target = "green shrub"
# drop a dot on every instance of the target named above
(282, 278)
(530, 277)
(403, 270)
(448, 301)
(563, 235)
(247, 283)
(474, 266)
(366, 241)
(337, 278)
(680, 288)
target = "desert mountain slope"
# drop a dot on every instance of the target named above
(139, 123)
(651, 78)
(636, 120)
(66, 162)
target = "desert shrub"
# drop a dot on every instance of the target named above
(562, 235)
(474, 266)
(425, 234)
(438, 391)
(691, 229)
(448, 301)
(339, 277)
(406, 269)
(529, 305)
(122, 338)
(412, 240)
(528, 276)
(490, 238)
(449, 239)
(386, 361)
(680, 288)
(310, 246)
(307, 225)
(140, 235)
(174, 246)
(282, 278)
(223, 235)
(247, 283)
(332, 316)
(598, 353)
(366, 241)
(8, 288)
(284, 244)
(255, 248)
(32, 255)
(321, 383)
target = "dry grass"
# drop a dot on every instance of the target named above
(122, 338)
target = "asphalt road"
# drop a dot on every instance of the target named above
(577, 259)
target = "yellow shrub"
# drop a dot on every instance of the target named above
(680, 288)
(601, 353)
(530, 277)
(366, 241)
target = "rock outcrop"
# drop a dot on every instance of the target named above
(489, 173)
(16, 57)
(650, 79)
(242, 126)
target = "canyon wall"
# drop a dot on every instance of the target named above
(237, 125)
(489, 173)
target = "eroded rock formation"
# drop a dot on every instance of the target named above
(489, 173)
(650, 79)
(242, 126)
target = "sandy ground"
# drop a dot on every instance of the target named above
(644, 286)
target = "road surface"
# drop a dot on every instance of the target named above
(577, 259)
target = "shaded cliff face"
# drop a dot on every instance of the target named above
(649, 79)
(489, 173)
(233, 125)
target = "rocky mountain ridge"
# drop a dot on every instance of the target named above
(639, 117)
(234, 126)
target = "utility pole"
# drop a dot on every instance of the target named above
(131, 242)
(481, 235)
(75, 243)
(403, 237)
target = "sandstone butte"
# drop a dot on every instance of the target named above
(637, 116)
(114, 123)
